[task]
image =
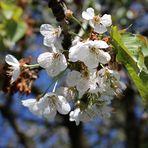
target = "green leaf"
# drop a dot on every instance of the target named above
(120, 47)
(10, 11)
(2, 46)
(144, 42)
(144, 77)
(10, 27)
(6, 10)
(15, 31)
(127, 58)
(134, 46)
(20, 31)
(142, 87)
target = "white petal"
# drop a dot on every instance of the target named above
(99, 28)
(28, 102)
(47, 106)
(90, 60)
(76, 40)
(88, 14)
(45, 59)
(73, 78)
(43, 102)
(65, 92)
(104, 57)
(46, 29)
(49, 113)
(106, 20)
(91, 23)
(75, 116)
(54, 64)
(71, 114)
(85, 55)
(15, 73)
(62, 105)
(100, 44)
(49, 40)
(57, 65)
(32, 105)
(11, 60)
(82, 87)
(74, 51)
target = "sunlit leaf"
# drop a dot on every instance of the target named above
(134, 46)
(10, 10)
(127, 58)
(120, 47)
(142, 87)
(10, 27)
(20, 31)
(144, 43)
(15, 31)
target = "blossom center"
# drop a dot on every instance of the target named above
(85, 75)
(52, 100)
(93, 50)
(56, 56)
(96, 19)
(57, 32)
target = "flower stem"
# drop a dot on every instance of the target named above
(32, 66)
(102, 65)
(76, 20)
(55, 79)
(72, 33)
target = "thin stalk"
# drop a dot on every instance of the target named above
(76, 20)
(32, 66)
(72, 33)
(55, 79)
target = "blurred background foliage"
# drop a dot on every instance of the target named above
(19, 35)
(12, 26)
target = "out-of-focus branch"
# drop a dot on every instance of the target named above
(75, 133)
(133, 127)
(8, 114)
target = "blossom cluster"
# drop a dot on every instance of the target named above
(91, 80)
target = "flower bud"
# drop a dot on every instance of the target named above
(68, 13)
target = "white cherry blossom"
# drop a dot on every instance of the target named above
(73, 78)
(88, 83)
(48, 105)
(66, 92)
(84, 115)
(90, 53)
(32, 106)
(105, 82)
(110, 84)
(50, 34)
(99, 24)
(15, 67)
(75, 116)
(81, 116)
(84, 83)
(54, 63)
